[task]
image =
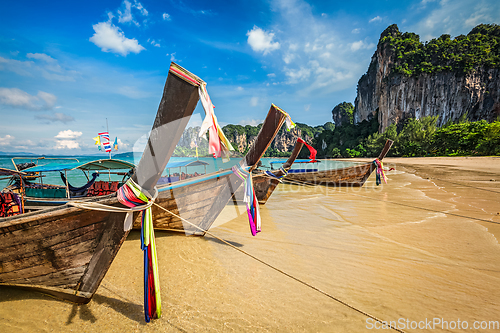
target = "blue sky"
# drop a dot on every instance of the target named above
(66, 66)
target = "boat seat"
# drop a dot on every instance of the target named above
(102, 188)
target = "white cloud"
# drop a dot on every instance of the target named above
(288, 58)
(254, 101)
(375, 19)
(456, 17)
(307, 107)
(251, 122)
(43, 64)
(154, 43)
(56, 116)
(166, 17)
(262, 41)
(271, 75)
(141, 8)
(122, 145)
(125, 15)
(68, 134)
(297, 75)
(317, 59)
(66, 139)
(67, 144)
(110, 38)
(132, 92)
(361, 45)
(18, 98)
(6, 140)
(240, 89)
(356, 31)
(172, 57)
(41, 56)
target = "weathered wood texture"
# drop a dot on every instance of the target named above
(201, 202)
(66, 251)
(354, 176)
(66, 248)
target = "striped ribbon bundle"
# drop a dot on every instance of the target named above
(380, 172)
(130, 195)
(249, 198)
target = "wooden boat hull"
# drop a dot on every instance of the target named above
(264, 185)
(200, 200)
(192, 200)
(354, 176)
(62, 251)
(66, 251)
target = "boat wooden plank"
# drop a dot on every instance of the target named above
(67, 278)
(45, 267)
(111, 240)
(56, 242)
(349, 176)
(52, 227)
(79, 268)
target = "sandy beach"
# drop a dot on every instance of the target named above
(422, 247)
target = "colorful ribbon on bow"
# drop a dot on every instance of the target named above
(130, 195)
(380, 172)
(283, 171)
(249, 198)
(288, 120)
(217, 142)
(312, 151)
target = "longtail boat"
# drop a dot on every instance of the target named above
(265, 182)
(38, 194)
(354, 176)
(66, 251)
(197, 202)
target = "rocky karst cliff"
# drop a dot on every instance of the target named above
(241, 138)
(432, 82)
(283, 142)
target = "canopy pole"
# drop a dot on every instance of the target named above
(22, 194)
(107, 130)
(67, 186)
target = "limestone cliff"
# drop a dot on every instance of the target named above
(446, 93)
(283, 142)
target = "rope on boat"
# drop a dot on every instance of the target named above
(249, 198)
(136, 199)
(352, 307)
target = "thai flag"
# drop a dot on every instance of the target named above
(107, 147)
(105, 135)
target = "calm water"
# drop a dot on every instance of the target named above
(394, 251)
(77, 178)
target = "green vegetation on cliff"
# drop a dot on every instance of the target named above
(480, 47)
(343, 113)
(418, 137)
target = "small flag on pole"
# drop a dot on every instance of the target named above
(105, 141)
(115, 145)
(97, 140)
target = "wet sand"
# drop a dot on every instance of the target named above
(423, 246)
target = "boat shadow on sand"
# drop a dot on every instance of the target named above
(125, 307)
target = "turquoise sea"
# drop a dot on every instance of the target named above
(77, 177)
